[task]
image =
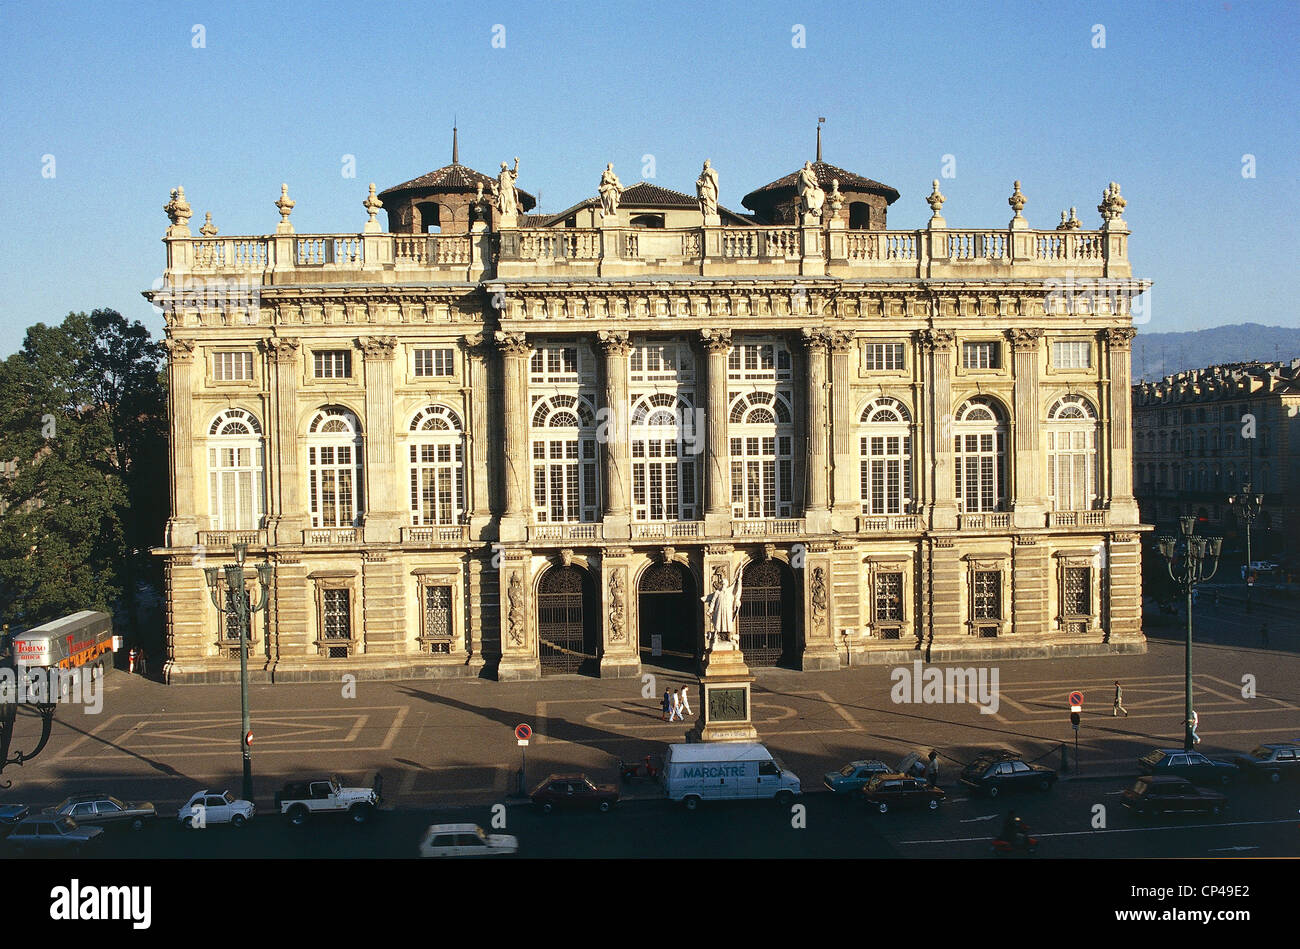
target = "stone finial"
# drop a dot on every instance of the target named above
(208, 229)
(1112, 205)
(1017, 200)
(372, 204)
(1065, 223)
(936, 200)
(178, 209)
(285, 206)
(1074, 222)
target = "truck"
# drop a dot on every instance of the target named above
(80, 640)
(300, 800)
(717, 771)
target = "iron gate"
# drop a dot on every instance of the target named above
(766, 614)
(562, 641)
(668, 609)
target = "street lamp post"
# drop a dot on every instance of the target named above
(1199, 562)
(242, 609)
(1247, 507)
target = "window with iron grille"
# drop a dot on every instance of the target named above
(981, 355)
(889, 598)
(988, 595)
(232, 366)
(337, 623)
(434, 362)
(1078, 592)
(333, 364)
(437, 618)
(884, 356)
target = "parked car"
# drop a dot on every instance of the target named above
(1192, 765)
(10, 815)
(102, 810)
(994, 773)
(1271, 760)
(300, 800)
(855, 776)
(888, 792)
(466, 840)
(205, 808)
(1152, 795)
(53, 834)
(572, 792)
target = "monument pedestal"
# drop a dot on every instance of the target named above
(725, 707)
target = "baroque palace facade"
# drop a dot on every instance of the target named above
(488, 441)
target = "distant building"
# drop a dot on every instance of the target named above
(1200, 436)
(495, 438)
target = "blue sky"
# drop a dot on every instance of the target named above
(129, 108)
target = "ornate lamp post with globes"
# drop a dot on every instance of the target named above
(1247, 507)
(242, 608)
(1199, 561)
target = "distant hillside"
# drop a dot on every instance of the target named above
(1156, 355)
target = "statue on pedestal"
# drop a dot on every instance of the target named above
(811, 195)
(706, 187)
(504, 193)
(611, 189)
(722, 607)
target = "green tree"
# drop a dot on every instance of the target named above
(83, 427)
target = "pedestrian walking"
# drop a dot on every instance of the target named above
(1194, 721)
(686, 702)
(1119, 701)
(130, 659)
(1263, 635)
(667, 704)
(674, 707)
(144, 662)
(932, 769)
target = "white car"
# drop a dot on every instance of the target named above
(208, 807)
(465, 840)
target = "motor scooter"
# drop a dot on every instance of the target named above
(1025, 843)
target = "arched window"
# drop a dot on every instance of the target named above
(664, 486)
(761, 436)
(1072, 454)
(980, 454)
(236, 466)
(334, 468)
(565, 464)
(885, 452)
(436, 450)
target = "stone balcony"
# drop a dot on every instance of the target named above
(622, 252)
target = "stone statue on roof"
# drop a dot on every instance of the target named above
(706, 187)
(507, 198)
(611, 189)
(811, 195)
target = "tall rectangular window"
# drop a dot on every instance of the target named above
(332, 364)
(1078, 590)
(232, 366)
(434, 362)
(981, 355)
(889, 598)
(337, 621)
(988, 595)
(437, 618)
(1072, 354)
(884, 356)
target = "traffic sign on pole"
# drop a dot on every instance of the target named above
(1076, 701)
(523, 732)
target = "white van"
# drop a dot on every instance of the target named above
(722, 770)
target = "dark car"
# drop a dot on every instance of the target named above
(1192, 765)
(1152, 795)
(854, 776)
(887, 792)
(53, 834)
(10, 815)
(995, 773)
(573, 791)
(1271, 761)
(102, 810)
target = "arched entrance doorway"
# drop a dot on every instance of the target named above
(669, 608)
(567, 638)
(766, 623)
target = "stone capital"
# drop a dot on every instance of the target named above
(472, 340)
(511, 344)
(1120, 337)
(716, 340)
(614, 342)
(1024, 339)
(181, 350)
(841, 341)
(281, 348)
(816, 338)
(932, 339)
(378, 347)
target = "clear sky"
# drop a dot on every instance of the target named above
(229, 99)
